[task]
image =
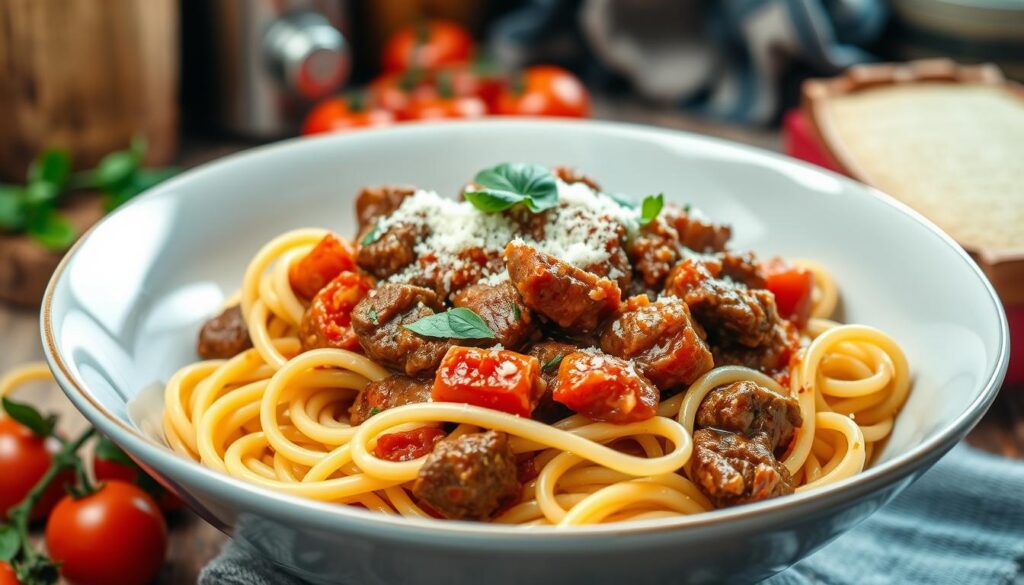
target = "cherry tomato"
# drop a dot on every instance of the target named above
(605, 388)
(545, 90)
(427, 45)
(407, 445)
(114, 535)
(7, 575)
(442, 108)
(337, 114)
(492, 378)
(328, 320)
(793, 288)
(329, 258)
(106, 467)
(24, 459)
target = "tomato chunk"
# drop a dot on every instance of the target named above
(407, 445)
(605, 388)
(329, 258)
(492, 378)
(793, 287)
(328, 320)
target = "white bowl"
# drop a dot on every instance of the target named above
(122, 312)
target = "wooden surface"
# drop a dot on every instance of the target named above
(193, 542)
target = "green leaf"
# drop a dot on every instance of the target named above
(30, 418)
(650, 208)
(374, 411)
(507, 184)
(371, 236)
(116, 170)
(460, 323)
(515, 311)
(52, 230)
(51, 166)
(12, 208)
(372, 316)
(623, 200)
(148, 178)
(41, 194)
(553, 363)
(10, 542)
(108, 451)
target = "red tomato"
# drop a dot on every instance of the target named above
(105, 470)
(492, 378)
(336, 114)
(328, 321)
(442, 108)
(7, 575)
(115, 535)
(329, 258)
(793, 287)
(407, 445)
(427, 46)
(545, 90)
(24, 459)
(395, 91)
(606, 388)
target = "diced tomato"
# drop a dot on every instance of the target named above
(492, 378)
(328, 320)
(792, 287)
(329, 258)
(605, 388)
(407, 445)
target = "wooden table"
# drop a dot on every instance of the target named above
(193, 542)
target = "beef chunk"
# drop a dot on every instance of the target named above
(740, 314)
(571, 175)
(550, 354)
(742, 267)
(373, 203)
(446, 277)
(732, 469)
(388, 393)
(617, 266)
(695, 232)
(654, 251)
(224, 336)
(469, 478)
(379, 322)
(748, 408)
(390, 252)
(575, 299)
(771, 357)
(501, 307)
(661, 338)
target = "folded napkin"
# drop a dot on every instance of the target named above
(962, 523)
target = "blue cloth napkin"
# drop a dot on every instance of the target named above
(728, 59)
(962, 523)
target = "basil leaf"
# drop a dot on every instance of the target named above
(507, 184)
(52, 166)
(553, 363)
(371, 236)
(650, 208)
(12, 208)
(27, 416)
(372, 316)
(52, 230)
(115, 170)
(40, 194)
(10, 542)
(460, 323)
(108, 451)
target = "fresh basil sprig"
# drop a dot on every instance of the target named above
(650, 208)
(458, 323)
(509, 184)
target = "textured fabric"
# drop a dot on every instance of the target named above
(962, 523)
(726, 58)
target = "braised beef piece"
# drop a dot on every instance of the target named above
(654, 251)
(224, 336)
(501, 307)
(771, 357)
(750, 409)
(549, 354)
(390, 392)
(469, 478)
(447, 278)
(571, 175)
(617, 267)
(696, 233)
(729, 311)
(376, 202)
(661, 338)
(732, 469)
(575, 299)
(379, 322)
(742, 267)
(390, 252)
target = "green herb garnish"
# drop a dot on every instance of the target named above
(515, 311)
(459, 323)
(650, 208)
(372, 316)
(553, 363)
(374, 411)
(371, 236)
(509, 184)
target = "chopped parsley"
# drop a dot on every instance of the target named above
(372, 316)
(553, 363)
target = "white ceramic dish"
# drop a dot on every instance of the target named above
(122, 312)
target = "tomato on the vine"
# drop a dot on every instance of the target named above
(427, 45)
(442, 108)
(545, 90)
(337, 113)
(7, 575)
(113, 535)
(24, 459)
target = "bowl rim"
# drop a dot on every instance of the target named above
(333, 516)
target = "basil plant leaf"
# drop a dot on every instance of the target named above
(650, 208)
(459, 323)
(116, 169)
(508, 184)
(51, 166)
(27, 416)
(12, 208)
(52, 230)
